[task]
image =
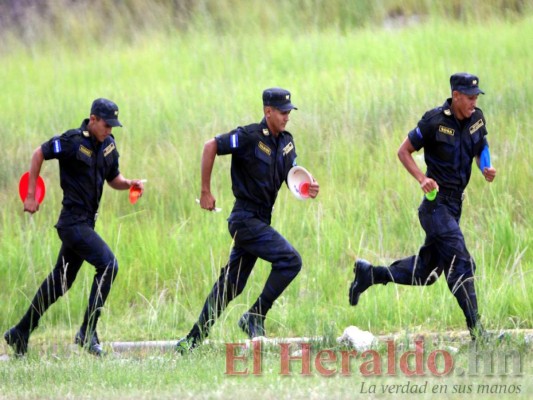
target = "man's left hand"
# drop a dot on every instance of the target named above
(314, 188)
(489, 173)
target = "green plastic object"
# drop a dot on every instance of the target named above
(432, 195)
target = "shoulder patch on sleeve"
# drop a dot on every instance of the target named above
(56, 146)
(234, 141)
(418, 133)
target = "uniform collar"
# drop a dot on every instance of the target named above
(266, 131)
(87, 135)
(84, 129)
(447, 108)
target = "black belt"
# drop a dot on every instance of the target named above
(454, 194)
(81, 212)
(249, 206)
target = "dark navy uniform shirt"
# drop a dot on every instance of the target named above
(84, 164)
(449, 145)
(260, 162)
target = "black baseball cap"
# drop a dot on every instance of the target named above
(107, 110)
(465, 83)
(278, 98)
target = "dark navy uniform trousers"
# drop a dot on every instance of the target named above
(253, 238)
(444, 250)
(79, 243)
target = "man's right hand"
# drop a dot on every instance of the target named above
(428, 184)
(31, 205)
(207, 201)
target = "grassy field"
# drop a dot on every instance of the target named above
(206, 374)
(359, 91)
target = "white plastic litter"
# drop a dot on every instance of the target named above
(355, 337)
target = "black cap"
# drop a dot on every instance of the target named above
(465, 83)
(278, 98)
(107, 110)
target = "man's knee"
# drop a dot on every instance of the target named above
(109, 269)
(294, 262)
(462, 270)
(463, 285)
(298, 261)
(113, 268)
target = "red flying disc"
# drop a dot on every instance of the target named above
(40, 188)
(135, 193)
(304, 189)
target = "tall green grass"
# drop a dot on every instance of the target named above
(67, 23)
(358, 95)
(359, 92)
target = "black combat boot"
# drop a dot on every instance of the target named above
(362, 280)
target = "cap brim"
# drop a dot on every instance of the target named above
(471, 92)
(286, 107)
(113, 122)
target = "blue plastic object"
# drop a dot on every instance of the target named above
(484, 160)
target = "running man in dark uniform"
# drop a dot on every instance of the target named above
(87, 157)
(262, 155)
(452, 136)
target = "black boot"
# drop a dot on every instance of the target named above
(187, 344)
(18, 340)
(253, 324)
(477, 331)
(362, 280)
(90, 342)
(465, 293)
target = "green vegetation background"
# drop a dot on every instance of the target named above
(361, 73)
